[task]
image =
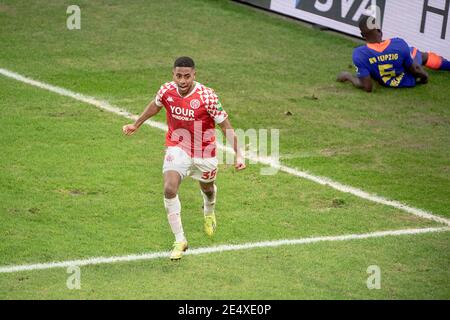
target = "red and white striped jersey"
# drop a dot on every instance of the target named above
(191, 119)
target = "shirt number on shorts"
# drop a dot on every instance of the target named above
(209, 174)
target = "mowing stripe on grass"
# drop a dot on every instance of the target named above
(320, 180)
(220, 248)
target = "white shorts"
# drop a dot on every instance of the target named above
(201, 169)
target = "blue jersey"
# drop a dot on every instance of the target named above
(386, 62)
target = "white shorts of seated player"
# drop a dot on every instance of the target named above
(201, 169)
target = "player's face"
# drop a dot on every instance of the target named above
(184, 78)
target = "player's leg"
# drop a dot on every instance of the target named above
(434, 61)
(176, 164)
(205, 171)
(209, 193)
(172, 203)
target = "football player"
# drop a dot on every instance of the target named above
(392, 63)
(192, 110)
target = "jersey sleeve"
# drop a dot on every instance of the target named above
(361, 69)
(214, 107)
(159, 96)
(405, 52)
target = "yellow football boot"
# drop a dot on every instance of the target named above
(210, 224)
(178, 249)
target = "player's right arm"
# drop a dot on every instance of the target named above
(364, 83)
(362, 79)
(149, 112)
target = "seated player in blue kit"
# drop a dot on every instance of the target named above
(392, 63)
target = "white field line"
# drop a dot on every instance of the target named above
(270, 162)
(220, 248)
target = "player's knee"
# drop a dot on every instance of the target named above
(170, 191)
(209, 193)
(208, 190)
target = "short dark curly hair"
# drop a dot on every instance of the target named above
(186, 62)
(368, 23)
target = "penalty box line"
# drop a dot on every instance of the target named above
(216, 249)
(292, 171)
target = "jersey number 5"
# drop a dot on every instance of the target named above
(385, 73)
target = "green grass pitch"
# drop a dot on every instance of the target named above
(73, 187)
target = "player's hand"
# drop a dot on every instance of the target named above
(129, 129)
(344, 76)
(240, 163)
(424, 80)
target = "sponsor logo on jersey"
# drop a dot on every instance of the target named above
(182, 114)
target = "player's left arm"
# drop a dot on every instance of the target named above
(220, 117)
(232, 139)
(419, 72)
(362, 79)
(413, 67)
